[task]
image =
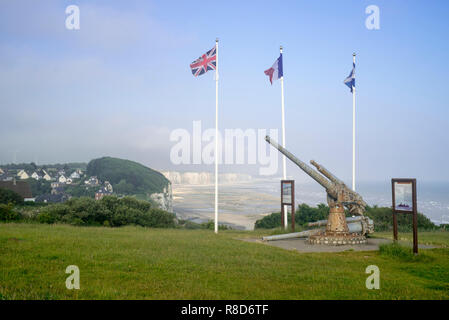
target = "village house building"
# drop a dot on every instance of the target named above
(101, 193)
(46, 176)
(92, 181)
(62, 179)
(53, 198)
(4, 176)
(36, 176)
(108, 187)
(23, 175)
(20, 187)
(75, 175)
(57, 190)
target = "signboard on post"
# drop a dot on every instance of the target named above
(404, 201)
(288, 199)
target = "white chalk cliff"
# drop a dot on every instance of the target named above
(204, 178)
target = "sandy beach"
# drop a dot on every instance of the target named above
(240, 204)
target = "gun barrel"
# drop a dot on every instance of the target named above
(355, 224)
(326, 173)
(301, 234)
(312, 173)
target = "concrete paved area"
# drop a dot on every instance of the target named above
(301, 245)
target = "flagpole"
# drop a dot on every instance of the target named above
(353, 130)
(283, 142)
(216, 137)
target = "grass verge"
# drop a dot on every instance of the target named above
(142, 263)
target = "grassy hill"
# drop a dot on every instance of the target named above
(140, 263)
(126, 176)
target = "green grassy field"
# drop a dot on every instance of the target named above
(440, 238)
(140, 263)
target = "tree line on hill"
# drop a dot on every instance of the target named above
(33, 166)
(127, 177)
(382, 217)
(110, 211)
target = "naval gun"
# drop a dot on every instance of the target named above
(339, 196)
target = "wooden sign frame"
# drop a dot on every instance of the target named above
(285, 203)
(406, 210)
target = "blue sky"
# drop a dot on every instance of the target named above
(121, 84)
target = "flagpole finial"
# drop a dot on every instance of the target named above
(281, 48)
(216, 39)
(354, 54)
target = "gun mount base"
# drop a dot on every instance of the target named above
(340, 240)
(336, 222)
(337, 231)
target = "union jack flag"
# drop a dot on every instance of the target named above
(206, 62)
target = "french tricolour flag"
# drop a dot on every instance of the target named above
(276, 71)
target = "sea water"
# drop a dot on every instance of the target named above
(259, 197)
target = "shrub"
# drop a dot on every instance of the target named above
(123, 216)
(383, 220)
(382, 217)
(77, 222)
(131, 202)
(303, 215)
(47, 217)
(269, 222)
(86, 211)
(110, 202)
(306, 214)
(9, 196)
(210, 225)
(186, 224)
(109, 211)
(7, 213)
(160, 219)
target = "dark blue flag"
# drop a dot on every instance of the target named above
(350, 80)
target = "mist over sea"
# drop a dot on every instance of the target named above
(433, 198)
(241, 203)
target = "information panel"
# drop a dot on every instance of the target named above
(288, 199)
(403, 196)
(404, 201)
(287, 192)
